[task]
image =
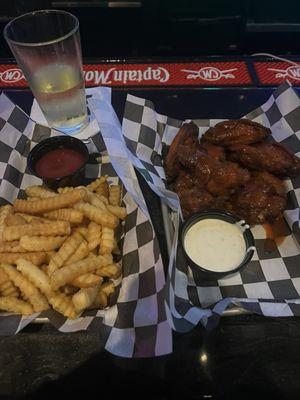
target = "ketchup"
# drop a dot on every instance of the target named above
(59, 163)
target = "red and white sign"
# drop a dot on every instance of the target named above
(210, 74)
(175, 74)
(276, 72)
(232, 73)
(11, 75)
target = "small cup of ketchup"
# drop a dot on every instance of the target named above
(59, 161)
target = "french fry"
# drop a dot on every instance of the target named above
(95, 201)
(33, 198)
(12, 304)
(41, 243)
(34, 296)
(64, 305)
(80, 253)
(43, 206)
(93, 235)
(87, 280)
(68, 273)
(119, 212)
(106, 241)
(14, 219)
(65, 189)
(4, 212)
(33, 218)
(103, 199)
(111, 271)
(85, 297)
(100, 301)
(66, 214)
(95, 214)
(82, 230)
(39, 191)
(11, 247)
(108, 288)
(103, 190)
(96, 183)
(36, 276)
(7, 288)
(37, 257)
(68, 189)
(67, 249)
(114, 195)
(53, 228)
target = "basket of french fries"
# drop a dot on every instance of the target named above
(85, 257)
(59, 249)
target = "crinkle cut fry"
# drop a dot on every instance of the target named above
(11, 247)
(4, 212)
(41, 243)
(106, 241)
(96, 183)
(64, 305)
(12, 304)
(67, 273)
(7, 288)
(114, 195)
(36, 298)
(80, 253)
(87, 280)
(49, 204)
(66, 214)
(39, 191)
(36, 276)
(54, 228)
(85, 297)
(95, 214)
(94, 235)
(36, 257)
(67, 249)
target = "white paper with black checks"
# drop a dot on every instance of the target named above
(136, 324)
(270, 284)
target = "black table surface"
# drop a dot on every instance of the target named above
(244, 357)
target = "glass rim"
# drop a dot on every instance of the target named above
(37, 44)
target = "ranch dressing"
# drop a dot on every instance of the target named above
(215, 245)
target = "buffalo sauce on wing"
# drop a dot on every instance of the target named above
(276, 232)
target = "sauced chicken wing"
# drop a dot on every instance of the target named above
(197, 162)
(265, 156)
(261, 199)
(226, 177)
(216, 152)
(220, 178)
(214, 173)
(187, 135)
(192, 198)
(275, 184)
(242, 131)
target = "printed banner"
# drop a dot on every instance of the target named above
(233, 73)
(277, 72)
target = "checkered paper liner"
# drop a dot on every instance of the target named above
(135, 325)
(270, 284)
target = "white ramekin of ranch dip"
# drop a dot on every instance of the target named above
(216, 244)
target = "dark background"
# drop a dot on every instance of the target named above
(167, 28)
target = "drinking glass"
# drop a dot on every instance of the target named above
(46, 45)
